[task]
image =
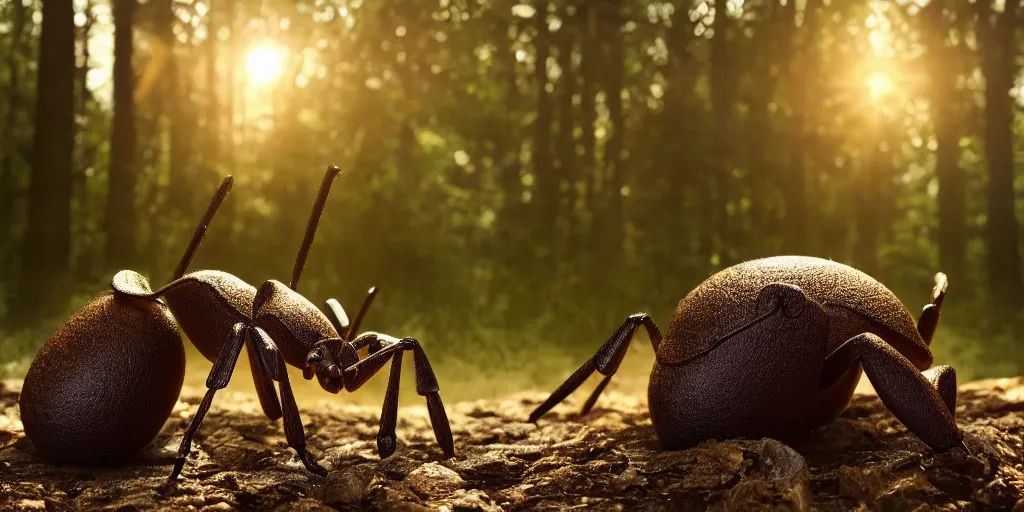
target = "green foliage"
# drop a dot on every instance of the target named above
(798, 128)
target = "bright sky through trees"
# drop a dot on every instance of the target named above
(265, 63)
(879, 85)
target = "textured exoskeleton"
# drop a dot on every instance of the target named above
(775, 347)
(107, 380)
(279, 327)
(104, 383)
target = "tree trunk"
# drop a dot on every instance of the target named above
(952, 199)
(798, 218)
(121, 212)
(212, 105)
(567, 120)
(8, 177)
(506, 148)
(221, 112)
(546, 189)
(84, 252)
(772, 37)
(870, 197)
(723, 97)
(676, 220)
(234, 56)
(611, 230)
(589, 63)
(47, 239)
(181, 197)
(999, 68)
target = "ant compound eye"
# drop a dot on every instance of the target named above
(314, 358)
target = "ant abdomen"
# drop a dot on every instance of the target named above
(119, 359)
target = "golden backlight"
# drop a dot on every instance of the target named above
(265, 63)
(880, 85)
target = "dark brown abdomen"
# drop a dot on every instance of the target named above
(106, 381)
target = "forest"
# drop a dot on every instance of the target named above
(517, 175)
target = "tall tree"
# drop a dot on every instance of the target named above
(505, 138)
(589, 64)
(174, 103)
(121, 212)
(48, 235)
(870, 193)
(771, 49)
(804, 66)
(723, 99)
(85, 155)
(566, 141)
(998, 63)
(12, 142)
(212, 104)
(942, 87)
(683, 168)
(611, 208)
(546, 200)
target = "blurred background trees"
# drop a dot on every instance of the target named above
(517, 175)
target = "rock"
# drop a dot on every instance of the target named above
(433, 479)
(346, 486)
(608, 460)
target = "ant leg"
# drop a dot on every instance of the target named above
(944, 379)
(426, 385)
(929, 318)
(906, 391)
(606, 361)
(277, 370)
(387, 440)
(219, 377)
(370, 340)
(609, 366)
(264, 385)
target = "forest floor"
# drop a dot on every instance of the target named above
(606, 461)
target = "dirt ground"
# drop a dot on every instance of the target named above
(608, 460)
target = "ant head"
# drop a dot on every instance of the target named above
(327, 360)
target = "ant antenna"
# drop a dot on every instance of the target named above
(193, 246)
(314, 219)
(353, 328)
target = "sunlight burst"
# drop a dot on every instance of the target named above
(880, 85)
(265, 63)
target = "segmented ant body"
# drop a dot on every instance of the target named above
(775, 347)
(220, 313)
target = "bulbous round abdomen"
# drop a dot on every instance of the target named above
(105, 382)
